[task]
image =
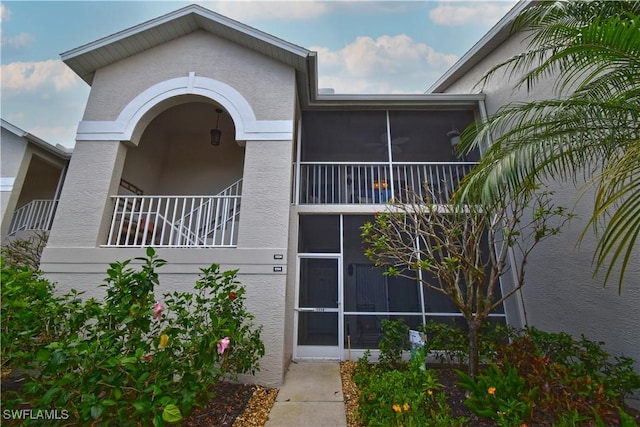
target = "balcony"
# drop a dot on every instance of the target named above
(209, 221)
(379, 182)
(35, 215)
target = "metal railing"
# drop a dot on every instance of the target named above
(367, 183)
(35, 215)
(175, 221)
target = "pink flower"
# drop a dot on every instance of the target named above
(224, 343)
(157, 309)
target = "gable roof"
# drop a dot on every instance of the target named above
(86, 59)
(490, 41)
(58, 150)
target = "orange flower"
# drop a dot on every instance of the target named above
(406, 407)
(491, 390)
(396, 408)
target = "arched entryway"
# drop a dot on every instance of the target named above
(178, 187)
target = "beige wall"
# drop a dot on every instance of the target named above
(267, 85)
(85, 269)
(13, 152)
(173, 157)
(41, 181)
(560, 293)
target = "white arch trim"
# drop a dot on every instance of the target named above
(247, 127)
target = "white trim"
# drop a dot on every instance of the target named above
(6, 183)
(499, 32)
(318, 352)
(169, 18)
(247, 127)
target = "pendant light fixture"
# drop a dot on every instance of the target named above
(216, 134)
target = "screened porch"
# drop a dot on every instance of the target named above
(372, 157)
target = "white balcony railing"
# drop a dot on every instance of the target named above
(175, 221)
(35, 215)
(366, 183)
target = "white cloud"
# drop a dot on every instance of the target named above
(5, 13)
(387, 64)
(247, 10)
(37, 76)
(463, 13)
(19, 41)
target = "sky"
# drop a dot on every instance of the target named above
(364, 47)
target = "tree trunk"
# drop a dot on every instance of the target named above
(474, 351)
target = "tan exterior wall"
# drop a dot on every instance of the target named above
(560, 293)
(73, 257)
(11, 162)
(267, 85)
(17, 154)
(85, 269)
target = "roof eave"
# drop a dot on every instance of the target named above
(494, 37)
(73, 57)
(57, 149)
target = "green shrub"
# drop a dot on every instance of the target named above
(576, 378)
(19, 253)
(140, 361)
(500, 394)
(394, 340)
(33, 316)
(406, 396)
(450, 344)
(571, 381)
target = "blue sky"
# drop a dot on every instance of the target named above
(363, 46)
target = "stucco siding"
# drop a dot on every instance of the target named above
(561, 293)
(83, 214)
(13, 153)
(266, 196)
(267, 85)
(85, 269)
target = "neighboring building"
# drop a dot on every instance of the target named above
(561, 293)
(278, 190)
(32, 175)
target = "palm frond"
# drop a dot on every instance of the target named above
(617, 205)
(591, 131)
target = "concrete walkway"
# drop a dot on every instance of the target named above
(311, 396)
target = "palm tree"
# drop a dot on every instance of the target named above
(590, 130)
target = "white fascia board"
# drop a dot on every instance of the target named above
(57, 149)
(13, 129)
(6, 183)
(475, 53)
(396, 101)
(191, 9)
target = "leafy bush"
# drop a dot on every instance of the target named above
(500, 394)
(565, 380)
(32, 315)
(19, 253)
(450, 344)
(149, 361)
(406, 396)
(576, 378)
(394, 340)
